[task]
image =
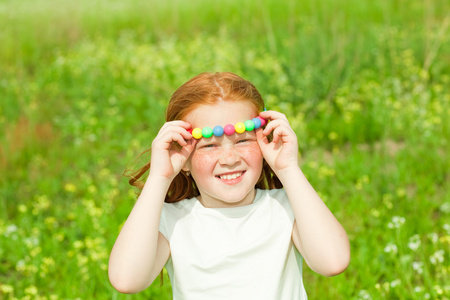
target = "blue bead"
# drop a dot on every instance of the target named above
(257, 122)
(218, 131)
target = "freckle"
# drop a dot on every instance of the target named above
(251, 151)
(201, 159)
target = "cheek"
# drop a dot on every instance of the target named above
(252, 154)
(203, 161)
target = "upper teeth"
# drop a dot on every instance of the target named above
(231, 176)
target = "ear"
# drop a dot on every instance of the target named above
(186, 171)
(186, 167)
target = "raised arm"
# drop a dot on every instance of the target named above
(140, 250)
(317, 234)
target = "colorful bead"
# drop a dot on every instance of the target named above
(257, 122)
(240, 127)
(218, 131)
(263, 121)
(197, 133)
(229, 129)
(249, 125)
(207, 132)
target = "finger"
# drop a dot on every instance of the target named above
(274, 124)
(168, 139)
(186, 151)
(174, 125)
(180, 140)
(272, 115)
(186, 135)
(177, 127)
(180, 123)
(261, 138)
(278, 133)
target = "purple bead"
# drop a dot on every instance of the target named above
(218, 131)
(229, 129)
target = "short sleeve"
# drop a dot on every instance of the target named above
(281, 197)
(171, 213)
(162, 222)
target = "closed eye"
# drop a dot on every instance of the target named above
(209, 146)
(243, 141)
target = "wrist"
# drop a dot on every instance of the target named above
(287, 174)
(159, 181)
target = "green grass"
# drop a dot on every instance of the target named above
(84, 85)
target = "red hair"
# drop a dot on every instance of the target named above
(206, 89)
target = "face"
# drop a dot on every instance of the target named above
(225, 168)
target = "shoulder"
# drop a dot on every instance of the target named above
(278, 195)
(279, 198)
(172, 212)
(180, 207)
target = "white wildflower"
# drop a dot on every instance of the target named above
(396, 222)
(445, 207)
(437, 257)
(10, 229)
(395, 283)
(446, 228)
(414, 242)
(434, 237)
(391, 248)
(418, 266)
(363, 294)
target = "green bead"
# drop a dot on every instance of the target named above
(249, 125)
(207, 132)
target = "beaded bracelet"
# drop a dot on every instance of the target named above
(229, 129)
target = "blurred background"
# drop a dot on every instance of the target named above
(83, 90)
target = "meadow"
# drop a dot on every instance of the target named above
(83, 90)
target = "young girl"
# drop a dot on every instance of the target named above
(213, 209)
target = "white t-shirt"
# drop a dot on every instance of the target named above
(234, 253)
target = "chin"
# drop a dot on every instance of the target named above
(231, 197)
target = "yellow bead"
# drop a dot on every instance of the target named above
(197, 133)
(240, 127)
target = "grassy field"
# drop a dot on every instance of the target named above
(83, 89)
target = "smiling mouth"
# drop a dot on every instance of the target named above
(230, 176)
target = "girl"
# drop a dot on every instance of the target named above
(213, 211)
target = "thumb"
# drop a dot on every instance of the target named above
(261, 138)
(187, 150)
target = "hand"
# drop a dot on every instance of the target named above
(171, 149)
(282, 152)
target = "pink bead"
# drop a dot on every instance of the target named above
(229, 129)
(263, 121)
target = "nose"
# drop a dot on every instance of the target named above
(229, 156)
